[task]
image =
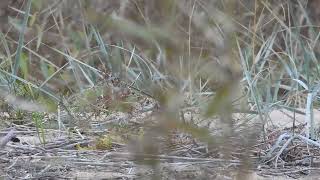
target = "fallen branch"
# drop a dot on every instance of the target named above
(4, 141)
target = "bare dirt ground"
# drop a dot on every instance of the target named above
(106, 151)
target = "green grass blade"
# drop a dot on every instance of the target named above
(21, 38)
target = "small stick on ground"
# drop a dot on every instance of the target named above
(4, 141)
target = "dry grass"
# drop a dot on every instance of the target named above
(209, 70)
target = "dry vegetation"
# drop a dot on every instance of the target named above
(150, 89)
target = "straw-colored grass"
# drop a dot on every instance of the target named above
(219, 57)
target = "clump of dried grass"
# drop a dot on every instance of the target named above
(217, 57)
